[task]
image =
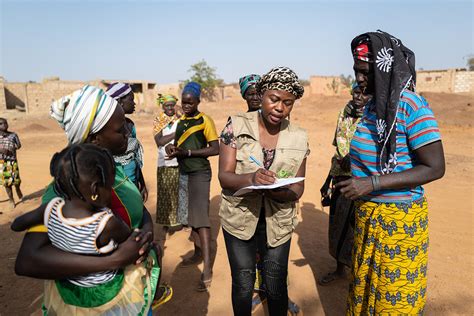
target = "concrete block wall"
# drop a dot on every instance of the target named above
(435, 81)
(41, 95)
(464, 82)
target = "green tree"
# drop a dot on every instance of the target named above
(470, 63)
(206, 76)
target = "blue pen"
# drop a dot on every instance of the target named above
(255, 161)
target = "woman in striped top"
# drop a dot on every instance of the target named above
(395, 149)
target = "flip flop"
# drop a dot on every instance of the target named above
(165, 297)
(293, 309)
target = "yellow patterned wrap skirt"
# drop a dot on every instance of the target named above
(389, 260)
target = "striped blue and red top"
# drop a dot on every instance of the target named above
(416, 127)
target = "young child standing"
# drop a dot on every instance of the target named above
(79, 221)
(9, 171)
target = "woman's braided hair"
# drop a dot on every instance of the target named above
(82, 160)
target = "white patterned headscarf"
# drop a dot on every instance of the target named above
(82, 113)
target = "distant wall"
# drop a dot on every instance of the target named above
(170, 88)
(464, 82)
(328, 85)
(3, 102)
(448, 81)
(37, 97)
(445, 80)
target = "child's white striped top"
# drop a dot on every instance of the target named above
(79, 235)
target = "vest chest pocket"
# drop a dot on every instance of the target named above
(287, 162)
(243, 163)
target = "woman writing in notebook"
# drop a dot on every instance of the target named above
(262, 220)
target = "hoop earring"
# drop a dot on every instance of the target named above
(94, 197)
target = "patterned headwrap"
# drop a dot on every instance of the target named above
(362, 52)
(118, 90)
(164, 98)
(247, 82)
(84, 112)
(281, 78)
(394, 71)
(192, 88)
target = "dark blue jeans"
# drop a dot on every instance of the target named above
(242, 260)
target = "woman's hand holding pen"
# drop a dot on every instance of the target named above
(263, 177)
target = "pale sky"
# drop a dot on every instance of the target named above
(159, 40)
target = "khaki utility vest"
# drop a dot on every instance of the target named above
(239, 215)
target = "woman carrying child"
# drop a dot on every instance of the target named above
(90, 116)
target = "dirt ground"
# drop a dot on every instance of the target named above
(450, 285)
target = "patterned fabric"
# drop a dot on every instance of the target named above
(345, 129)
(394, 71)
(84, 112)
(167, 197)
(9, 173)
(195, 133)
(415, 127)
(132, 159)
(362, 52)
(247, 82)
(390, 258)
(9, 143)
(161, 121)
(79, 235)
(165, 98)
(118, 90)
(227, 138)
(281, 78)
(183, 200)
(131, 294)
(192, 88)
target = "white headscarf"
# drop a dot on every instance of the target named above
(84, 112)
